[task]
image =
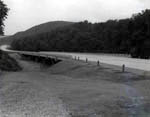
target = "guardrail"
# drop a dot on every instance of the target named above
(38, 54)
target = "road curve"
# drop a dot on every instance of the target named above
(141, 64)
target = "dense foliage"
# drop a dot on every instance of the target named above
(7, 63)
(128, 36)
(42, 28)
(3, 16)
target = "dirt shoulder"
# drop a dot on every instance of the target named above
(73, 88)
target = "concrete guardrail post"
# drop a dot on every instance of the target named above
(123, 68)
(86, 60)
(56, 58)
(98, 63)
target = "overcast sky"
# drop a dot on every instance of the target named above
(24, 14)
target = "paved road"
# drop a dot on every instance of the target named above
(140, 64)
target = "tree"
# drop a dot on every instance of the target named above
(3, 16)
(128, 36)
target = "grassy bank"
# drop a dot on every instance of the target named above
(73, 89)
(7, 63)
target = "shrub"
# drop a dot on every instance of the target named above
(7, 63)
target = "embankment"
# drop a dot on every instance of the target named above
(8, 63)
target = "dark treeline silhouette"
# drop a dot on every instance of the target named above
(7, 63)
(3, 16)
(126, 36)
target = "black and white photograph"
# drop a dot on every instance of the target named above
(74, 58)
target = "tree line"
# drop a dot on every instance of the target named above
(126, 36)
(6, 62)
(3, 15)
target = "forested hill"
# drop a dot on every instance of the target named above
(129, 36)
(42, 28)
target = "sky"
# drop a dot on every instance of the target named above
(25, 14)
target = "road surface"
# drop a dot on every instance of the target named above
(141, 64)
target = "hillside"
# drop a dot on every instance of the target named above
(5, 40)
(39, 29)
(42, 28)
(1, 36)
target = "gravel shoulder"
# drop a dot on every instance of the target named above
(73, 88)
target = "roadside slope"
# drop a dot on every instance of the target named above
(73, 88)
(7, 63)
(22, 94)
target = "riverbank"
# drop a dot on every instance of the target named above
(73, 88)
